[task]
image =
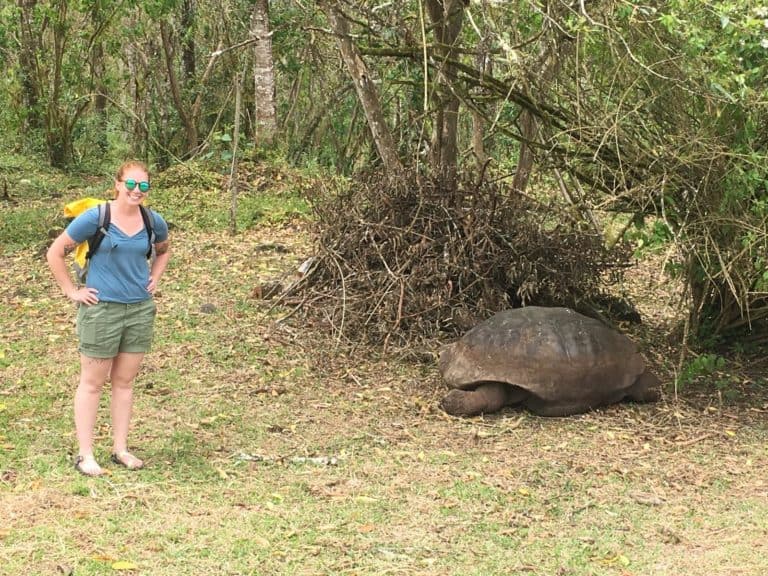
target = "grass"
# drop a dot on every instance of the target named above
(270, 451)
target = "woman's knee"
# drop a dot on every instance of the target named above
(91, 384)
(93, 372)
(121, 383)
(125, 368)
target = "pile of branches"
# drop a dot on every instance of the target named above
(397, 263)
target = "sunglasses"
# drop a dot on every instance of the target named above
(130, 184)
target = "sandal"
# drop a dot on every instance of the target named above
(127, 460)
(87, 466)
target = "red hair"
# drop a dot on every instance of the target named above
(125, 166)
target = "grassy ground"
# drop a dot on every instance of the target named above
(271, 451)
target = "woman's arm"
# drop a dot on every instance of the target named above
(56, 255)
(162, 255)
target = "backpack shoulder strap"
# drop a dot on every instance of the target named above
(149, 224)
(95, 240)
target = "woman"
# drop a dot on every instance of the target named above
(116, 309)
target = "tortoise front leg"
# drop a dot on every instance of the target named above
(645, 389)
(486, 398)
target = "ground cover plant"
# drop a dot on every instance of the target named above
(273, 449)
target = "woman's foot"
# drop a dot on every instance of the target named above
(126, 459)
(87, 465)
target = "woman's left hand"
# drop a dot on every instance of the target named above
(152, 285)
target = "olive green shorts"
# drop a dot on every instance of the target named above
(107, 328)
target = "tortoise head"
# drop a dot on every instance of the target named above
(457, 367)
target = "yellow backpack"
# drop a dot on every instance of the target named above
(73, 209)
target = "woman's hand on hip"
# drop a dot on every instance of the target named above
(87, 296)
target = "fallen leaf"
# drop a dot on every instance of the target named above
(123, 565)
(327, 527)
(103, 558)
(261, 542)
(365, 499)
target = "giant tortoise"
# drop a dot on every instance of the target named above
(552, 361)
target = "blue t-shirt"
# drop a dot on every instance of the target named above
(119, 269)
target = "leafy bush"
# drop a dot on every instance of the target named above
(700, 367)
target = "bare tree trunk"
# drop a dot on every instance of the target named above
(30, 77)
(529, 129)
(188, 59)
(317, 117)
(58, 127)
(447, 17)
(100, 97)
(263, 74)
(547, 66)
(98, 73)
(190, 129)
(137, 92)
(366, 91)
(483, 65)
(235, 151)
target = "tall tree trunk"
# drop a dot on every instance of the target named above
(98, 73)
(366, 91)
(30, 76)
(483, 65)
(447, 17)
(551, 55)
(57, 126)
(188, 60)
(265, 111)
(529, 132)
(233, 186)
(187, 121)
(137, 92)
(100, 98)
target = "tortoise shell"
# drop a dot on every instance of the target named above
(564, 360)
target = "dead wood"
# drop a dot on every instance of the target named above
(398, 263)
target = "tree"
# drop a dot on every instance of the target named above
(29, 44)
(265, 112)
(447, 18)
(366, 91)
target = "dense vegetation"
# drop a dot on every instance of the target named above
(642, 121)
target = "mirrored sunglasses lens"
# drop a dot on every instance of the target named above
(144, 187)
(130, 184)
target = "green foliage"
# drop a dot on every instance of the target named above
(649, 237)
(729, 40)
(27, 227)
(703, 366)
(194, 196)
(221, 150)
(209, 210)
(668, 113)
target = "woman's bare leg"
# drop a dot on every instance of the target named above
(93, 375)
(124, 370)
